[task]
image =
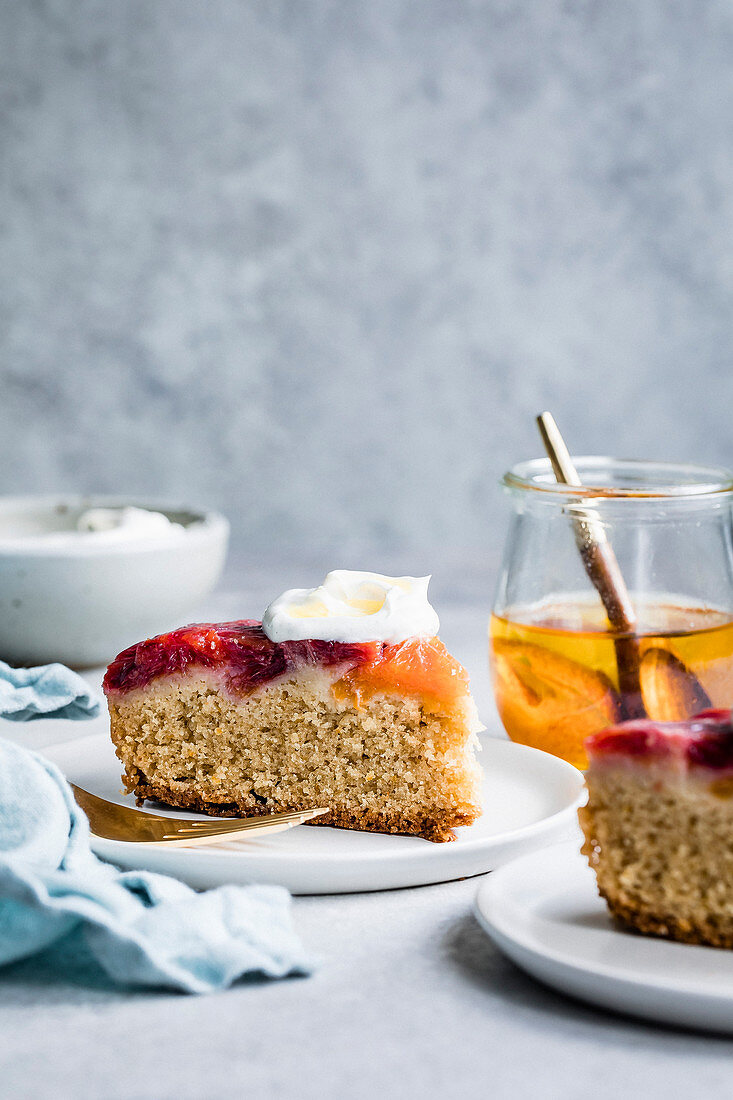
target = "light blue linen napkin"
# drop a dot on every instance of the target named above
(143, 930)
(49, 691)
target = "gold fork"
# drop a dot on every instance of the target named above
(108, 821)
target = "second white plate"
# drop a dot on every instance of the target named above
(544, 912)
(530, 799)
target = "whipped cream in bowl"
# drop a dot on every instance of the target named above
(123, 524)
(45, 525)
(83, 577)
(353, 606)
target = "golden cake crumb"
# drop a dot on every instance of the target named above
(390, 764)
(662, 852)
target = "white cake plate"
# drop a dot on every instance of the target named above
(530, 799)
(544, 912)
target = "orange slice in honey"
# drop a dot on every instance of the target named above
(671, 692)
(550, 702)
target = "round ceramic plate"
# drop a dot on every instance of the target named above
(544, 912)
(530, 799)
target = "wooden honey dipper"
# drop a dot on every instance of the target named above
(656, 684)
(603, 571)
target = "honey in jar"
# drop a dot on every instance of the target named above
(560, 670)
(556, 679)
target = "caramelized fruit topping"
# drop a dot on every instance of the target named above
(250, 660)
(704, 741)
(241, 648)
(417, 666)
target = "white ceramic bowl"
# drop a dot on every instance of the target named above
(83, 600)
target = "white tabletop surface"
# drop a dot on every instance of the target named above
(410, 999)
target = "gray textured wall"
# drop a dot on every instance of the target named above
(318, 262)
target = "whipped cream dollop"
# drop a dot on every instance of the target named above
(94, 527)
(351, 606)
(121, 524)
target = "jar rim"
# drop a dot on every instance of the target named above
(636, 479)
